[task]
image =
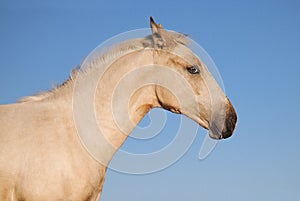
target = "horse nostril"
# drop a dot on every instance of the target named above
(230, 123)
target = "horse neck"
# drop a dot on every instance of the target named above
(119, 95)
(123, 95)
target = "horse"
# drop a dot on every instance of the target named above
(44, 152)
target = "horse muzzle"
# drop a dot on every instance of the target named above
(223, 128)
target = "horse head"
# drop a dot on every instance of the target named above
(189, 88)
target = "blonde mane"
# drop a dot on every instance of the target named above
(103, 58)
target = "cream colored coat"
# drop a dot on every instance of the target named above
(41, 155)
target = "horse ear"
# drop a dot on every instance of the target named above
(158, 34)
(154, 26)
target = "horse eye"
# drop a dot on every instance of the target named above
(193, 69)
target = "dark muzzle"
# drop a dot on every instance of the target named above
(231, 119)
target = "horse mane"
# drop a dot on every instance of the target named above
(46, 94)
(103, 59)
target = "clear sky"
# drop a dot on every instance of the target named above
(256, 46)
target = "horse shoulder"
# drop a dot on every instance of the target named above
(42, 157)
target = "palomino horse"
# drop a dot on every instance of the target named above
(42, 156)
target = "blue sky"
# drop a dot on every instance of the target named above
(256, 46)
